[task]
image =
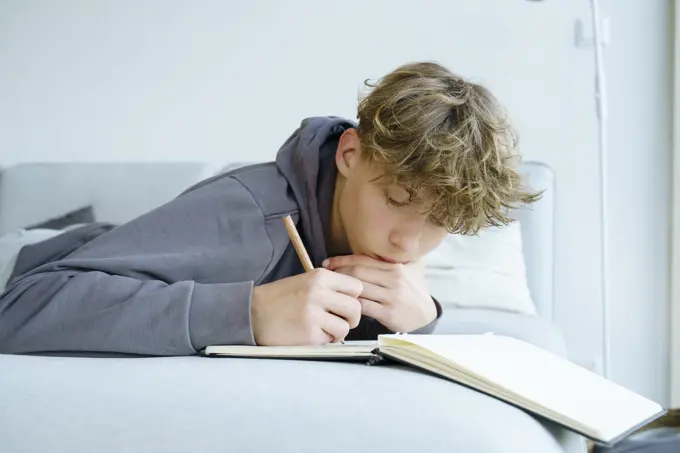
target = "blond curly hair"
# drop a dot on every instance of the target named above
(439, 135)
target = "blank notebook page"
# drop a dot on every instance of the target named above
(543, 378)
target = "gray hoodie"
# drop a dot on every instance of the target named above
(180, 277)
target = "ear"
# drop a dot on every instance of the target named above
(348, 154)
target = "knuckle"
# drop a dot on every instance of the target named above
(319, 278)
(317, 275)
(358, 288)
(314, 295)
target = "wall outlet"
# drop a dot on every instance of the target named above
(584, 35)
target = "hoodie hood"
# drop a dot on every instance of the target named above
(299, 161)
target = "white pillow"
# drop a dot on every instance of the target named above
(12, 243)
(483, 271)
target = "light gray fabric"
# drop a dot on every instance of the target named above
(249, 405)
(533, 329)
(537, 222)
(12, 243)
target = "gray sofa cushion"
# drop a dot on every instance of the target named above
(33, 193)
(533, 329)
(184, 404)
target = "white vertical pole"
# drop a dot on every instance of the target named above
(601, 109)
(675, 239)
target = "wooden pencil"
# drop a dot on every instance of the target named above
(297, 243)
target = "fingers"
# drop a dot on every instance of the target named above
(341, 283)
(347, 308)
(337, 328)
(376, 293)
(335, 262)
(377, 277)
(373, 309)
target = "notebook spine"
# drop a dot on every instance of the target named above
(376, 359)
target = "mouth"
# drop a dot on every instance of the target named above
(388, 260)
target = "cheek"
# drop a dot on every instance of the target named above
(379, 217)
(432, 237)
(372, 217)
(368, 213)
(357, 217)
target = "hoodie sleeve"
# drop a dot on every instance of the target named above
(167, 283)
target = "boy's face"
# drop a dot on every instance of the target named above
(374, 220)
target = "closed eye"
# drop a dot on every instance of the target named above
(398, 204)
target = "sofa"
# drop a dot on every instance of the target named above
(66, 403)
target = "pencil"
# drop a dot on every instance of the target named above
(297, 243)
(299, 246)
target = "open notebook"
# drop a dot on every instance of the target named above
(506, 368)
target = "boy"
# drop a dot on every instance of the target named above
(431, 154)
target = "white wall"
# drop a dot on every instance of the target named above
(640, 74)
(675, 238)
(227, 81)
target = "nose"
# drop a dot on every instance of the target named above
(406, 238)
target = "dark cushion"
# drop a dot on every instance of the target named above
(79, 216)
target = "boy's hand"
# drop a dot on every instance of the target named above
(394, 294)
(316, 307)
